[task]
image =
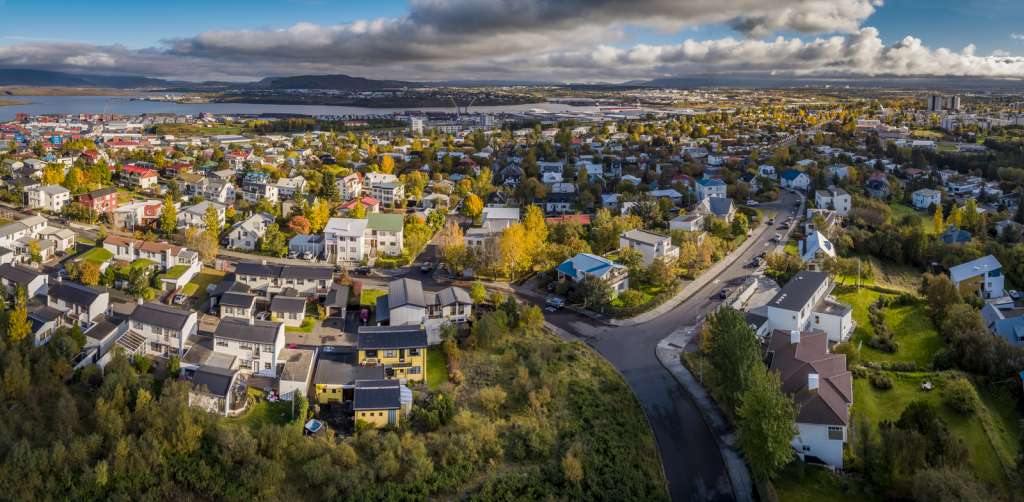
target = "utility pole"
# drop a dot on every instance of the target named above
(701, 352)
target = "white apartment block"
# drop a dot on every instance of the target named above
(346, 239)
(48, 197)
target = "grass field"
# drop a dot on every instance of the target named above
(4, 221)
(300, 329)
(260, 414)
(8, 102)
(190, 130)
(800, 482)
(197, 286)
(911, 324)
(791, 246)
(369, 297)
(875, 405)
(437, 370)
(96, 255)
(83, 240)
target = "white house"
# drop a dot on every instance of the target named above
(838, 198)
(48, 197)
(584, 264)
(982, 277)
(350, 186)
(925, 197)
(244, 235)
(821, 387)
(795, 179)
(653, 246)
(816, 248)
(161, 329)
(805, 304)
(406, 304)
(385, 233)
(710, 188)
(77, 303)
(192, 216)
(253, 344)
(687, 222)
(345, 239)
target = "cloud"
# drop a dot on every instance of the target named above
(1017, 36)
(1000, 53)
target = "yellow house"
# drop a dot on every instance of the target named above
(337, 373)
(400, 350)
(378, 402)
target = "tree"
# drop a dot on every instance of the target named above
(732, 352)
(478, 293)
(937, 220)
(436, 220)
(201, 242)
(472, 206)
(211, 220)
(592, 290)
(35, 249)
(513, 250)
(89, 273)
(18, 327)
(329, 191)
(274, 241)
(572, 469)
(358, 211)
(53, 175)
(138, 281)
(491, 398)
(947, 485)
(387, 164)
(536, 229)
(169, 218)
(646, 209)
(971, 218)
(766, 425)
(299, 225)
(739, 225)
(318, 216)
(452, 245)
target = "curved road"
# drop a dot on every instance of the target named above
(689, 452)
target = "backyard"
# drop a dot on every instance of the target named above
(197, 286)
(437, 370)
(911, 324)
(96, 256)
(260, 414)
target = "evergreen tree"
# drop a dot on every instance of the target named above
(766, 424)
(329, 191)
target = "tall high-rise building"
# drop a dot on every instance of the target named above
(416, 125)
(935, 103)
(954, 102)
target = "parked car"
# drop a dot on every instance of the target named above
(751, 202)
(215, 310)
(724, 293)
(308, 255)
(179, 299)
(552, 285)
(1013, 294)
(62, 273)
(363, 270)
(292, 255)
(225, 242)
(771, 221)
(556, 303)
(60, 254)
(19, 208)
(263, 316)
(364, 315)
(777, 238)
(29, 211)
(337, 269)
(426, 267)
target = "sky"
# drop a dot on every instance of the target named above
(522, 40)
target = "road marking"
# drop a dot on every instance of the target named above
(715, 281)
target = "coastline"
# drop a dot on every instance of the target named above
(7, 102)
(357, 103)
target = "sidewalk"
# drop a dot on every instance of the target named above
(693, 287)
(668, 353)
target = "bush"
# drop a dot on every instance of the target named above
(142, 364)
(881, 381)
(973, 300)
(961, 396)
(563, 288)
(859, 372)
(904, 366)
(943, 360)
(307, 322)
(631, 298)
(851, 352)
(361, 424)
(627, 312)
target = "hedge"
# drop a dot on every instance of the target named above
(653, 303)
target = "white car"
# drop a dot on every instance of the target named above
(751, 202)
(1013, 294)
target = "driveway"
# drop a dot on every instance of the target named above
(689, 452)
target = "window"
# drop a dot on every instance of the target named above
(415, 370)
(292, 315)
(836, 433)
(817, 320)
(266, 366)
(364, 414)
(244, 364)
(807, 448)
(154, 329)
(241, 311)
(136, 324)
(372, 354)
(390, 353)
(371, 413)
(221, 342)
(414, 352)
(245, 345)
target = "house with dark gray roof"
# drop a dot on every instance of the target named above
(400, 350)
(805, 303)
(379, 402)
(289, 308)
(337, 373)
(255, 344)
(822, 390)
(268, 280)
(222, 391)
(719, 207)
(407, 304)
(163, 328)
(77, 303)
(236, 304)
(35, 282)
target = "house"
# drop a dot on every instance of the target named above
(822, 390)
(386, 233)
(767, 171)
(953, 235)
(286, 187)
(350, 186)
(219, 390)
(1004, 225)
(582, 219)
(835, 199)
(583, 264)
(305, 243)
(138, 214)
(401, 350)
(237, 304)
(289, 308)
(815, 249)
(556, 202)
(720, 208)
(687, 222)
(162, 329)
(253, 191)
(35, 282)
(163, 256)
(759, 323)
(244, 235)
(388, 193)
(878, 188)
(710, 188)
(213, 189)
(925, 197)
(102, 201)
(653, 246)
(254, 344)
(337, 301)
(831, 219)
(380, 402)
(141, 177)
(267, 280)
(345, 239)
(834, 170)
(337, 373)
(303, 202)
(497, 198)
(672, 195)
(47, 197)
(77, 303)
(63, 238)
(797, 179)
(192, 216)
(982, 277)
(804, 303)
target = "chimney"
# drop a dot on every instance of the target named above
(58, 279)
(264, 262)
(812, 382)
(794, 336)
(252, 320)
(138, 300)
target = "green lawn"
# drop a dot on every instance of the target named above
(197, 286)
(83, 240)
(307, 329)
(4, 221)
(946, 148)
(875, 405)
(260, 414)
(369, 297)
(141, 263)
(124, 198)
(96, 256)
(176, 271)
(648, 290)
(800, 482)
(437, 369)
(911, 324)
(791, 246)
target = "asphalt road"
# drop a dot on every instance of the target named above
(689, 453)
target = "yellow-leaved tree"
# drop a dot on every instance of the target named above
(387, 164)
(473, 206)
(53, 175)
(513, 250)
(937, 220)
(536, 230)
(452, 245)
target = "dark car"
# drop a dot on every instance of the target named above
(215, 310)
(19, 208)
(552, 285)
(363, 270)
(337, 269)
(225, 241)
(724, 293)
(60, 254)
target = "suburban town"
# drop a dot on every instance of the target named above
(497, 251)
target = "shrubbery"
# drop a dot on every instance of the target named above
(960, 395)
(881, 381)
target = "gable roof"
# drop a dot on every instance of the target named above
(19, 273)
(74, 293)
(792, 174)
(163, 316)
(795, 294)
(377, 395)
(828, 404)
(391, 337)
(240, 329)
(385, 222)
(405, 292)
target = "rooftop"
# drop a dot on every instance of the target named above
(391, 337)
(799, 290)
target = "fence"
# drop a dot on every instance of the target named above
(743, 293)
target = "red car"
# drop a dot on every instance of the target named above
(364, 315)
(29, 211)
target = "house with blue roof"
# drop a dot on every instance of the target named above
(954, 235)
(1011, 328)
(256, 176)
(710, 188)
(584, 264)
(794, 178)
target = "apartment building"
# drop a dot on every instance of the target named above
(253, 191)
(192, 216)
(388, 193)
(710, 188)
(163, 328)
(386, 233)
(806, 304)
(102, 201)
(267, 280)
(982, 277)
(653, 246)
(47, 197)
(400, 350)
(835, 199)
(350, 186)
(254, 344)
(346, 239)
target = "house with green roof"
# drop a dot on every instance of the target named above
(384, 233)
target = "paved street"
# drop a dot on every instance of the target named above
(693, 463)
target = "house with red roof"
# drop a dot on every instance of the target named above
(370, 204)
(141, 177)
(582, 219)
